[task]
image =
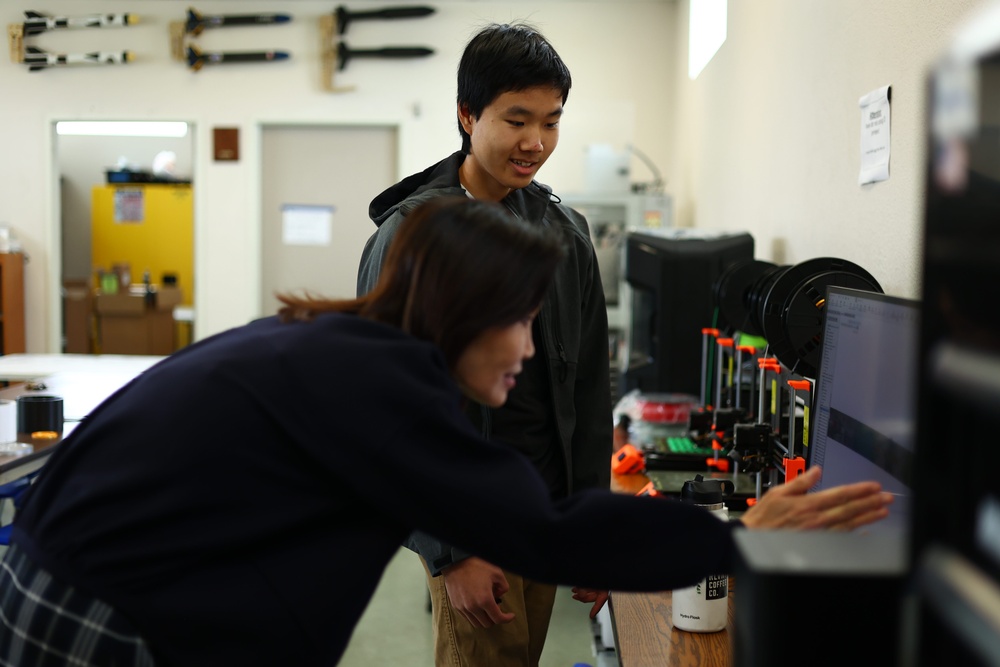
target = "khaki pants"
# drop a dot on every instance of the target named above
(516, 644)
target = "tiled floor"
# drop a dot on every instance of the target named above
(396, 628)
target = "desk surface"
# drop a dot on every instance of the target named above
(25, 367)
(82, 380)
(644, 633)
(671, 481)
(13, 466)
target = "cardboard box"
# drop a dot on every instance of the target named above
(123, 334)
(129, 323)
(168, 297)
(78, 307)
(161, 335)
(122, 303)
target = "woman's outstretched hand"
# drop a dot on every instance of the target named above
(839, 508)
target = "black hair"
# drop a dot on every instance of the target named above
(503, 58)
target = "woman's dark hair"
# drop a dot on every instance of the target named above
(504, 58)
(455, 268)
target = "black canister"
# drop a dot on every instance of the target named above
(39, 413)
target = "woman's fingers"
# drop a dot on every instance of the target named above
(847, 510)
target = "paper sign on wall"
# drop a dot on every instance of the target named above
(302, 224)
(130, 205)
(875, 136)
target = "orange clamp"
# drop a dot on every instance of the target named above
(800, 384)
(627, 461)
(709, 330)
(724, 342)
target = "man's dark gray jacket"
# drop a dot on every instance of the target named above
(573, 322)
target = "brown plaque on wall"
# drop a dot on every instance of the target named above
(227, 143)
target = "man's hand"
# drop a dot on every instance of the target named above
(475, 589)
(839, 508)
(591, 595)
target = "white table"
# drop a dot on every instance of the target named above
(24, 367)
(83, 380)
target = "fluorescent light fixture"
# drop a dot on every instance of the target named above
(706, 32)
(122, 128)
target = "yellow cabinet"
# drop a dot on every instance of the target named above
(148, 225)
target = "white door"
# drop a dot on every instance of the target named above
(317, 182)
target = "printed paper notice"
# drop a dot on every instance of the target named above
(306, 225)
(875, 136)
(130, 205)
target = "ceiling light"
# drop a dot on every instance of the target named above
(122, 128)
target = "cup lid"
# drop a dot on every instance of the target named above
(701, 491)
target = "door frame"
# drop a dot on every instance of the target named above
(201, 163)
(400, 127)
(52, 278)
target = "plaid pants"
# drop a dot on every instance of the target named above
(46, 623)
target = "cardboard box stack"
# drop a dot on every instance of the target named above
(135, 321)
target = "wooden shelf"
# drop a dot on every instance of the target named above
(12, 338)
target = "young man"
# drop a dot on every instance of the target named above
(512, 86)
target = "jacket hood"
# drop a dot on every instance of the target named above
(415, 189)
(442, 179)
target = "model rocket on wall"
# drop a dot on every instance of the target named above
(196, 23)
(345, 53)
(36, 23)
(36, 59)
(197, 59)
(336, 57)
(345, 16)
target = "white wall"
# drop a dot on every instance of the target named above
(768, 136)
(621, 54)
(766, 139)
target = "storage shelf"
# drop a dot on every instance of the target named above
(12, 337)
(969, 373)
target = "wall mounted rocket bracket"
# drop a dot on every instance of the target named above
(177, 49)
(328, 53)
(15, 38)
(334, 52)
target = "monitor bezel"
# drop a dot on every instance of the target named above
(873, 296)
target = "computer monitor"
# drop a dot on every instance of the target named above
(864, 407)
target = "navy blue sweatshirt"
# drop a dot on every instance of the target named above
(239, 501)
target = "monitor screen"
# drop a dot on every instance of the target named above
(864, 409)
